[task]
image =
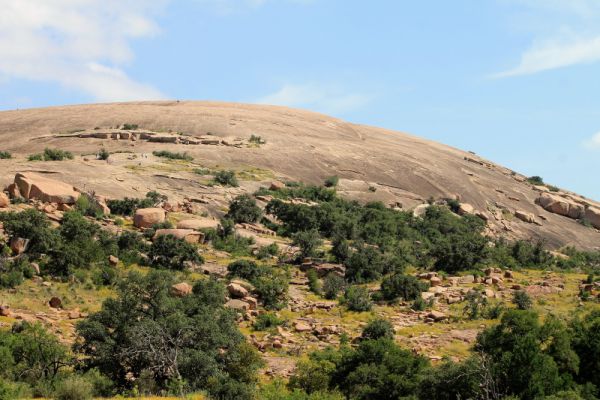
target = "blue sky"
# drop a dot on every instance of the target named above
(516, 81)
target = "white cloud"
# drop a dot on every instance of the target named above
(565, 33)
(593, 143)
(323, 98)
(82, 44)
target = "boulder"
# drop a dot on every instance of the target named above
(146, 217)
(558, 205)
(465, 208)
(188, 235)
(4, 311)
(197, 224)
(13, 191)
(467, 279)
(181, 289)
(55, 302)
(4, 200)
(236, 304)
(34, 186)
(251, 301)
(437, 316)
(18, 245)
(525, 216)
(113, 260)
(301, 326)
(276, 185)
(435, 281)
(237, 291)
(592, 214)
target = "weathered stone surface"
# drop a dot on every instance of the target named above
(435, 281)
(113, 260)
(146, 217)
(465, 208)
(181, 289)
(4, 311)
(237, 291)
(276, 185)
(301, 326)
(34, 186)
(237, 305)
(189, 235)
(4, 200)
(437, 316)
(525, 216)
(592, 214)
(196, 224)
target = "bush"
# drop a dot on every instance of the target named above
(308, 242)
(406, 287)
(172, 155)
(378, 329)
(103, 154)
(128, 206)
(226, 178)
(74, 388)
(269, 251)
(256, 140)
(357, 298)
(35, 157)
(333, 284)
(57, 155)
(171, 253)
(265, 321)
(243, 209)
(332, 181)
(130, 127)
(314, 283)
(522, 300)
(5, 155)
(536, 180)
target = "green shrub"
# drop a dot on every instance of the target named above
(130, 127)
(314, 283)
(103, 154)
(269, 251)
(401, 286)
(5, 155)
(333, 284)
(266, 321)
(172, 155)
(332, 181)
(243, 209)
(357, 298)
(522, 300)
(74, 388)
(35, 157)
(378, 329)
(308, 242)
(128, 206)
(256, 140)
(171, 253)
(536, 180)
(226, 178)
(57, 155)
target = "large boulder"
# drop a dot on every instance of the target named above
(34, 186)
(560, 205)
(196, 224)
(592, 214)
(4, 200)
(525, 216)
(237, 291)
(465, 208)
(181, 289)
(147, 217)
(189, 235)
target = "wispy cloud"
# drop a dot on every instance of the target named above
(328, 99)
(593, 143)
(567, 33)
(82, 44)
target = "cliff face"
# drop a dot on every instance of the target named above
(372, 163)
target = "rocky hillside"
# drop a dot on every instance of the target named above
(372, 163)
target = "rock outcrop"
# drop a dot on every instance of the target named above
(33, 186)
(4, 200)
(147, 217)
(188, 235)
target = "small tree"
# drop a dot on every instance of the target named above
(401, 286)
(377, 329)
(522, 300)
(103, 154)
(243, 209)
(226, 178)
(308, 242)
(332, 181)
(333, 284)
(357, 298)
(169, 252)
